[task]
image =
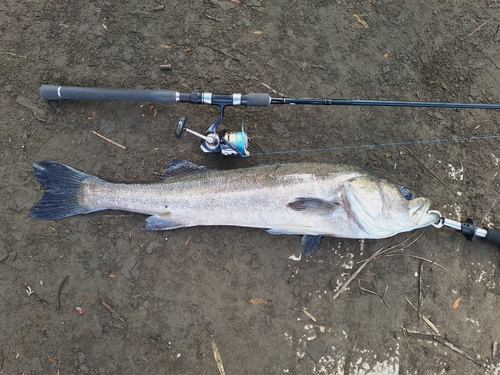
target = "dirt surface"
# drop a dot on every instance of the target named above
(139, 302)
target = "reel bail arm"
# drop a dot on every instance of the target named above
(468, 229)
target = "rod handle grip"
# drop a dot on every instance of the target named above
(492, 235)
(54, 92)
(258, 100)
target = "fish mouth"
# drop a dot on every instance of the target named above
(421, 215)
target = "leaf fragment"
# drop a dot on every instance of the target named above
(361, 21)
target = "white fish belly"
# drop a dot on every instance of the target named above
(221, 198)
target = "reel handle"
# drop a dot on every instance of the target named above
(181, 127)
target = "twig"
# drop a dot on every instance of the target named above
(439, 339)
(225, 53)
(111, 310)
(110, 12)
(411, 304)
(418, 335)
(382, 296)
(424, 318)
(488, 212)
(420, 287)
(355, 344)
(109, 140)
(271, 89)
(356, 273)
(309, 315)
(348, 358)
(60, 291)
(218, 359)
(455, 349)
(426, 167)
(477, 28)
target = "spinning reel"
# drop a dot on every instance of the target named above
(228, 143)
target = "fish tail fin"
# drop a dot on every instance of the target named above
(62, 191)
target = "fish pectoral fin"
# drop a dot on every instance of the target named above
(309, 244)
(157, 222)
(313, 204)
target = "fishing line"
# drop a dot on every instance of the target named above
(391, 144)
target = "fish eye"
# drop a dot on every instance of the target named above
(407, 193)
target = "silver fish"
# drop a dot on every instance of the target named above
(310, 199)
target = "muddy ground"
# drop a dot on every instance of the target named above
(140, 302)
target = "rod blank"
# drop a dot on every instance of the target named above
(381, 103)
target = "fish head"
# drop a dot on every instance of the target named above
(383, 208)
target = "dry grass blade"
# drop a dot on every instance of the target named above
(376, 254)
(420, 258)
(426, 167)
(411, 304)
(430, 324)
(218, 359)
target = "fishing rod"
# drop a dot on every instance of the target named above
(227, 143)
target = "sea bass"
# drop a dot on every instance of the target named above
(309, 199)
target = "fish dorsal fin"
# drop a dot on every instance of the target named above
(180, 168)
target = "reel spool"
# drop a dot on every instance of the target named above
(238, 142)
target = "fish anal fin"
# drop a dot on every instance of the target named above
(180, 168)
(161, 222)
(309, 244)
(291, 230)
(312, 204)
